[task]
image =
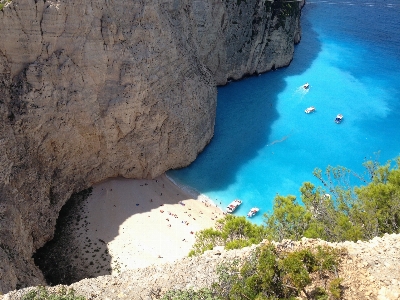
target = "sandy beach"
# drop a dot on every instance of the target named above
(140, 222)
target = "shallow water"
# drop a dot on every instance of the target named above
(265, 144)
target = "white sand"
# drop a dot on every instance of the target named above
(126, 215)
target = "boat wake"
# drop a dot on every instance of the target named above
(301, 91)
(279, 141)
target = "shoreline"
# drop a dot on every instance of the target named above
(191, 192)
(157, 220)
(127, 224)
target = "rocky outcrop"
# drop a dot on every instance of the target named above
(369, 271)
(96, 89)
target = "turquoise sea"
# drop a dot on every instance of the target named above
(264, 143)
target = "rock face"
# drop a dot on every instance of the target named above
(96, 89)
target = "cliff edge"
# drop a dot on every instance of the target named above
(369, 271)
(97, 89)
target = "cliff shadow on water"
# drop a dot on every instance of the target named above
(246, 111)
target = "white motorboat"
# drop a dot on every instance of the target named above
(309, 109)
(306, 86)
(233, 205)
(253, 212)
(339, 118)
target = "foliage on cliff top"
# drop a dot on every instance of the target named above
(202, 294)
(271, 274)
(338, 211)
(231, 232)
(3, 3)
(41, 293)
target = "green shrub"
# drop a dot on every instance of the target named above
(269, 274)
(231, 232)
(3, 3)
(335, 288)
(319, 294)
(340, 211)
(202, 294)
(41, 293)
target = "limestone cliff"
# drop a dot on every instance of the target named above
(91, 89)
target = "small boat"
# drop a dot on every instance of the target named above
(339, 118)
(306, 86)
(310, 109)
(253, 211)
(233, 205)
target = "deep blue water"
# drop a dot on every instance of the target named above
(265, 144)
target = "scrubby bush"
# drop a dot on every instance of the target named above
(202, 294)
(231, 232)
(270, 274)
(41, 293)
(339, 211)
(3, 3)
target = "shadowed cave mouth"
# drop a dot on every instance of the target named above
(71, 256)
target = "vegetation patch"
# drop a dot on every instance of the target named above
(339, 211)
(231, 232)
(202, 294)
(41, 293)
(3, 3)
(336, 211)
(271, 274)
(283, 9)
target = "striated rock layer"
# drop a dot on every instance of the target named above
(102, 88)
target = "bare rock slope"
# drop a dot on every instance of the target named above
(102, 88)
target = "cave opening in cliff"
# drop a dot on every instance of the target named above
(71, 255)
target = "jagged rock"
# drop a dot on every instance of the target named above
(97, 89)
